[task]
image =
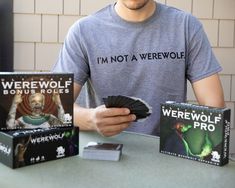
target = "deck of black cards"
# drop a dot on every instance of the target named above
(136, 106)
(199, 133)
(103, 151)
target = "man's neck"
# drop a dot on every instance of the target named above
(135, 15)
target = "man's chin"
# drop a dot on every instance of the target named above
(136, 6)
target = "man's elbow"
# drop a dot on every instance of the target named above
(214, 102)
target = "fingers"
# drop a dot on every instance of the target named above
(112, 116)
(112, 130)
(110, 112)
(116, 120)
(111, 121)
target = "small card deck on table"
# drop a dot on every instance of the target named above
(19, 148)
(102, 151)
(195, 132)
(136, 105)
(36, 100)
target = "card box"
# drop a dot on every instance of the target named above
(36, 100)
(102, 151)
(195, 132)
(20, 148)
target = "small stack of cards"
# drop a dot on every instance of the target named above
(137, 106)
(102, 151)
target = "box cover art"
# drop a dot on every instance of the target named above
(195, 132)
(19, 148)
(35, 100)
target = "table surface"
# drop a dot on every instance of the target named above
(141, 165)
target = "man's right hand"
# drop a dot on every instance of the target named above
(106, 121)
(111, 121)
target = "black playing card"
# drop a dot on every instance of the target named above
(137, 106)
(106, 102)
(122, 100)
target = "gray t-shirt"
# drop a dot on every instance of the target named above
(150, 60)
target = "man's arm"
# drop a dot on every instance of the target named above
(106, 121)
(209, 91)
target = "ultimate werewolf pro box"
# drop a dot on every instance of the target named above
(20, 148)
(195, 132)
(36, 100)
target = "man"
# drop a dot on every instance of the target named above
(37, 118)
(137, 48)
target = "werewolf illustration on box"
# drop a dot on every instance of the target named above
(20, 150)
(36, 100)
(177, 142)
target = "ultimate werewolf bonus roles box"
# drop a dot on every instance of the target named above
(195, 132)
(19, 148)
(36, 100)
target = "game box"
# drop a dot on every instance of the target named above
(195, 132)
(19, 148)
(36, 100)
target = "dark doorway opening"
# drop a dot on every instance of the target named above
(6, 35)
